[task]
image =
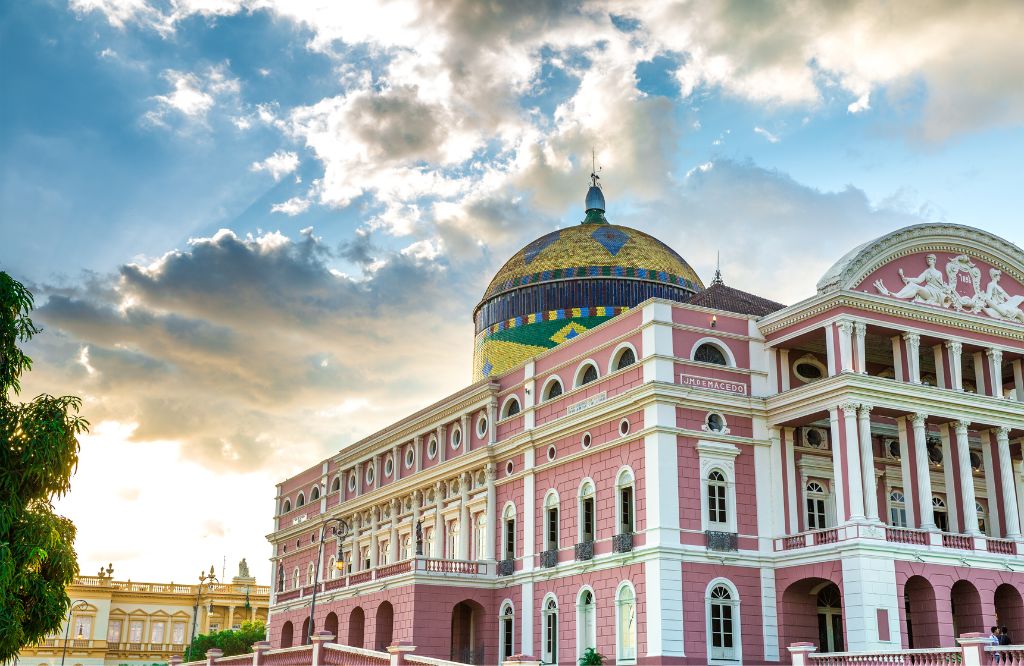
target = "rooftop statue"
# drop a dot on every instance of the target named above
(243, 569)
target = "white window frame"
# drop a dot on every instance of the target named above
(730, 359)
(809, 359)
(613, 360)
(551, 379)
(481, 426)
(410, 456)
(296, 575)
(581, 369)
(432, 442)
(737, 633)
(619, 657)
(506, 404)
(552, 501)
(724, 430)
(300, 500)
(505, 517)
(897, 505)
(336, 481)
(581, 640)
(314, 490)
(719, 456)
(624, 471)
(828, 499)
(548, 656)
(456, 440)
(579, 508)
(506, 605)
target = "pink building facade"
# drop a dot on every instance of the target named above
(699, 481)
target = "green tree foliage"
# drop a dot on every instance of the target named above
(591, 658)
(231, 641)
(38, 455)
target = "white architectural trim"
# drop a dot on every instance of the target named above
(737, 633)
(626, 584)
(581, 369)
(718, 344)
(579, 619)
(503, 412)
(552, 378)
(614, 358)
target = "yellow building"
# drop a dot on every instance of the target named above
(123, 622)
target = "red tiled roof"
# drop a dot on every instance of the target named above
(720, 297)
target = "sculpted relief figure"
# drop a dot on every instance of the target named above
(928, 287)
(1000, 304)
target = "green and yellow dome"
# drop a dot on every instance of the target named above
(568, 281)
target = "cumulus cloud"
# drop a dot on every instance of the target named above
(278, 165)
(192, 95)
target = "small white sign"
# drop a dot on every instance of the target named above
(586, 404)
(713, 384)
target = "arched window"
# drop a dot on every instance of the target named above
(718, 517)
(553, 389)
(624, 504)
(287, 506)
(723, 623)
(407, 547)
(480, 537)
(332, 567)
(301, 501)
(623, 358)
(939, 514)
(295, 578)
(509, 533)
(816, 498)
(830, 619)
(507, 631)
(586, 374)
(310, 572)
(551, 521)
(982, 515)
(453, 540)
(709, 353)
(897, 508)
(511, 407)
(549, 648)
(336, 484)
(625, 622)
(588, 519)
(586, 622)
(428, 542)
(314, 494)
(280, 578)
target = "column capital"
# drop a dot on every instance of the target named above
(490, 472)
(865, 409)
(918, 419)
(849, 407)
(954, 346)
(860, 328)
(1003, 433)
(994, 353)
(417, 497)
(961, 425)
(912, 338)
(845, 325)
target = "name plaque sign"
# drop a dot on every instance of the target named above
(713, 384)
(586, 404)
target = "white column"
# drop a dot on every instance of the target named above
(359, 479)
(418, 448)
(830, 350)
(784, 368)
(1018, 379)
(860, 331)
(940, 366)
(778, 500)
(393, 545)
(374, 544)
(438, 549)
(979, 372)
(354, 544)
(845, 329)
(529, 510)
(465, 526)
(924, 478)
(966, 479)
(839, 491)
(867, 463)
(897, 358)
(769, 615)
(948, 479)
(767, 485)
(492, 421)
(466, 435)
(869, 585)
(995, 364)
(854, 476)
(913, 342)
(492, 513)
(526, 616)
(1006, 480)
(906, 475)
(442, 445)
(376, 471)
(988, 467)
(417, 497)
(794, 484)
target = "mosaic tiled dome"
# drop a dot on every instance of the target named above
(568, 281)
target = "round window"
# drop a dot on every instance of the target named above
(551, 452)
(809, 369)
(352, 481)
(715, 422)
(432, 448)
(585, 441)
(369, 475)
(509, 467)
(894, 449)
(624, 427)
(456, 437)
(481, 426)
(389, 467)
(976, 461)
(814, 439)
(410, 457)
(934, 453)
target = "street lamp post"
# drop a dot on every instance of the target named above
(210, 578)
(67, 630)
(341, 531)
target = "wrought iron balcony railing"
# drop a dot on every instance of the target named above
(622, 543)
(506, 567)
(585, 551)
(549, 558)
(722, 541)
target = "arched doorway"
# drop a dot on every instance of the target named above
(1010, 611)
(467, 638)
(331, 625)
(287, 634)
(586, 622)
(811, 611)
(306, 633)
(965, 605)
(922, 615)
(549, 639)
(830, 619)
(356, 623)
(384, 626)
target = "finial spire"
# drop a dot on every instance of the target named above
(595, 197)
(718, 270)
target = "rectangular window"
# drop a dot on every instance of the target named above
(899, 516)
(156, 632)
(815, 514)
(626, 510)
(507, 646)
(135, 631)
(716, 504)
(83, 628)
(510, 539)
(178, 633)
(114, 632)
(941, 520)
(588, 519)
(552, 529)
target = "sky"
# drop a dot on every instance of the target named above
(256, 229)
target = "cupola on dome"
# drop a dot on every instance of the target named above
(569, 281)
